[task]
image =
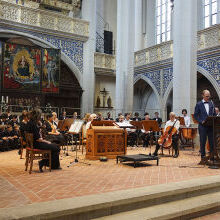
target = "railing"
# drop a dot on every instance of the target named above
(43, 19)
(154, 54)
(209, 37)
(99, 43)
(105, 61)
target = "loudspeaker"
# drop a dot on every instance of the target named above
(108, 42)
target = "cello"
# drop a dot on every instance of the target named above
(166, 139)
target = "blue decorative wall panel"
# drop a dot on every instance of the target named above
(167, 78)
(212, 65)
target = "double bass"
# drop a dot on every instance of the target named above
(166, 139)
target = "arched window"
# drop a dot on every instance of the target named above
(210, 12)
(163, 20)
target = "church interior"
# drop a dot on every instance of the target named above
(109, 109)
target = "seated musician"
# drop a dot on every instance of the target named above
(14, 120)
(157, 118)
(55, 119)
(145, 135)
(186, 118)
(34, 127)
(10, 137)
(117, 119)
(136, 117)
(3, 140)
(173, 122)
(52, 133)
(75, 115)
(109, 117)
(132, 135)
(217, 111)
(91, 118)
(63, 116)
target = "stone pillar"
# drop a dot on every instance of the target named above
(138, 25)
(184, 55)
(88, 81)
(125, 55)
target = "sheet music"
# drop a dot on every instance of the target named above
(124, 124)
(76, 126)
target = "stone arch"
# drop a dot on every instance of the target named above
(167, 93)
(139, 77)
(150, 94)
(64, 57)
(210, 78)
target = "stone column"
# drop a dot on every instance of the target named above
(125, 55)
(184, 55)
(88, 81)
(138, 25)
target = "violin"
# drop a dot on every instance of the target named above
(166, 139)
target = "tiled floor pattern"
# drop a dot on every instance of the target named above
(18, 188)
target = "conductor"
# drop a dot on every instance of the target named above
(204, 109)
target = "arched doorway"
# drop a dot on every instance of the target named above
(202, 84)
(145, 99)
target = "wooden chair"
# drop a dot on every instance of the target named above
(23, 144)
(34, 154)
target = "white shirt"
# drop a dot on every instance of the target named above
(88, 125)
(187, 120)
(170, 123)
(206, 106)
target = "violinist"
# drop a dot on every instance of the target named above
(172, 124)
(52, 133)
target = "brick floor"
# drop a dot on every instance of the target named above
(18, 187)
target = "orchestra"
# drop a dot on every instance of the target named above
(48, 136)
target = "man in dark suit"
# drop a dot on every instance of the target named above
(159, 120)
(204, 109)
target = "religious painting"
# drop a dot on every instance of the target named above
(21, 67)
(51, 71)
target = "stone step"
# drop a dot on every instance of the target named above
(181, 209)
(106, 204)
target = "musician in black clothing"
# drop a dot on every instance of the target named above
(51, 133)
(109, 117)
(33, 126)
(157, 118)
(136, 117)
(14, 120)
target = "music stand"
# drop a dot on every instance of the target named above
(138, 125)
(76, 129)
(151, 126)
(124, 126)
(66, 124)
(212, 121)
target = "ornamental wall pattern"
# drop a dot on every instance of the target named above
(70, 47)
(162, 77)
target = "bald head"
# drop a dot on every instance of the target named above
(206, 95)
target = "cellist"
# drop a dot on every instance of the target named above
(172, 123)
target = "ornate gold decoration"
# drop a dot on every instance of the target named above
(23, 54)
